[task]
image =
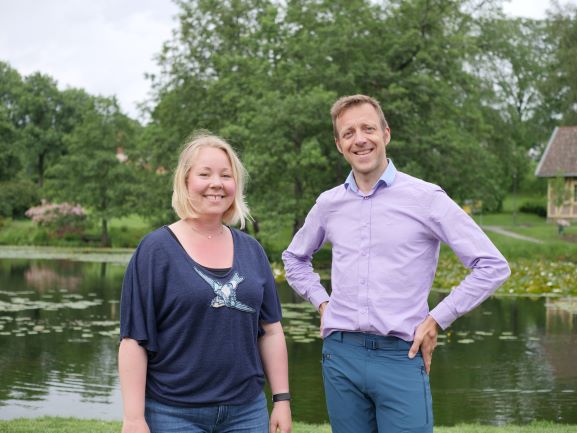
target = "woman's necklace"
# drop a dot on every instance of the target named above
(209, 235)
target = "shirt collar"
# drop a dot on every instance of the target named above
(386, 179)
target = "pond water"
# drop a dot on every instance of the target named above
(510, 361)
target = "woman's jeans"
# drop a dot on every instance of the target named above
(251, 417)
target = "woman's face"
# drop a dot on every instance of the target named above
(210, 183)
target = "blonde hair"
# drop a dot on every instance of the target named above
(345, 102)
(181, 202)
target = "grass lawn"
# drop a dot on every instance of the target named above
(124, 232)
(72, 425)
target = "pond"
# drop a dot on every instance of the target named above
(510, 361)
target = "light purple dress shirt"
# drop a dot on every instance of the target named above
(385, 249)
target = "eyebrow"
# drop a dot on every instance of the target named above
(222, 170)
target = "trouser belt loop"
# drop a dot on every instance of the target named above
(370, 344)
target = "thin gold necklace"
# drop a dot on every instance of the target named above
(209, 235)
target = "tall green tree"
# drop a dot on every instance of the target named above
(41, 124)
(17, 192)
(561, 87)
(95, 172)
(264, 75)
(10, 91)
(513, 65)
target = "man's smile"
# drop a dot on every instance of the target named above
(363, 152)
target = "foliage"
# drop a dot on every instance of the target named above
(95, 173)
(535, 208)
(16, 196)
(561, 87)
(44, 115)
(10, 85)
(264, 74)
(470, 94)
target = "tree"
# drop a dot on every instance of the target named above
(94, 173)
(264, 75)
(561, 87)
(10, 88)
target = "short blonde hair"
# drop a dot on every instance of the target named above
(181, 202)
(345, 102)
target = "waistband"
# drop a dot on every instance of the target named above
(370, 341)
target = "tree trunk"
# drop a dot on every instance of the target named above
(105, 237)
(40, 168)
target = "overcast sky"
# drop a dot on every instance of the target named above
(106, 46)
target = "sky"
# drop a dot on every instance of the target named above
(107, 46)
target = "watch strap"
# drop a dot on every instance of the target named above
(283, 396)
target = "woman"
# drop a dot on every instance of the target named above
(200, 316)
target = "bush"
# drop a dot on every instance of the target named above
(16, 196)
(61, 220)
(534, 208)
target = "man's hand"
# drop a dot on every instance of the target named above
(425, 340)
(322, 308)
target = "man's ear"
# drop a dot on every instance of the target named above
(338, 146)
(387, 136)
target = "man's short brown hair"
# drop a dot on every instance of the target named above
(345, 102)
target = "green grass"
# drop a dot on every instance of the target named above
(124, 232)
(72, 425)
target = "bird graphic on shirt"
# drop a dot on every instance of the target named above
(226, 293)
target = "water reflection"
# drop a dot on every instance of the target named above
(512, 360)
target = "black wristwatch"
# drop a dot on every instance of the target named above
(283, 396)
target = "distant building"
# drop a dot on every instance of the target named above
(559, 164)
(120, 155)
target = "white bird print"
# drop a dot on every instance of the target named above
(226, 293)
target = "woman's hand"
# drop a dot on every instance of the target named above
(135, 426)
(280, 418)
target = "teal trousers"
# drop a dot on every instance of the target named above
(371, 386)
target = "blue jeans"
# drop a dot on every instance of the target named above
(372, 386)
(251, 417)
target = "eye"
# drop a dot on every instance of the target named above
(203, 174)
(348, 134)
(370, 129)
(227, 176)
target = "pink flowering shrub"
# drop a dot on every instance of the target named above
(59, 219)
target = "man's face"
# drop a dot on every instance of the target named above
(362, 141)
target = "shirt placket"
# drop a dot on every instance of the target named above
(363, 273)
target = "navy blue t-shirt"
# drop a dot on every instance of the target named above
(200, 329)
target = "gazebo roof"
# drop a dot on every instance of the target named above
(560, 156)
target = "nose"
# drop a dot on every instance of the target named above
(360, 138)
(216, 182)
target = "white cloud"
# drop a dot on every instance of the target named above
(103, 46)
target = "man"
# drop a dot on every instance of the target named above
(385, 228)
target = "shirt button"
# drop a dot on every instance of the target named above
(366, 197)
(363, 253)
(362, 281)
